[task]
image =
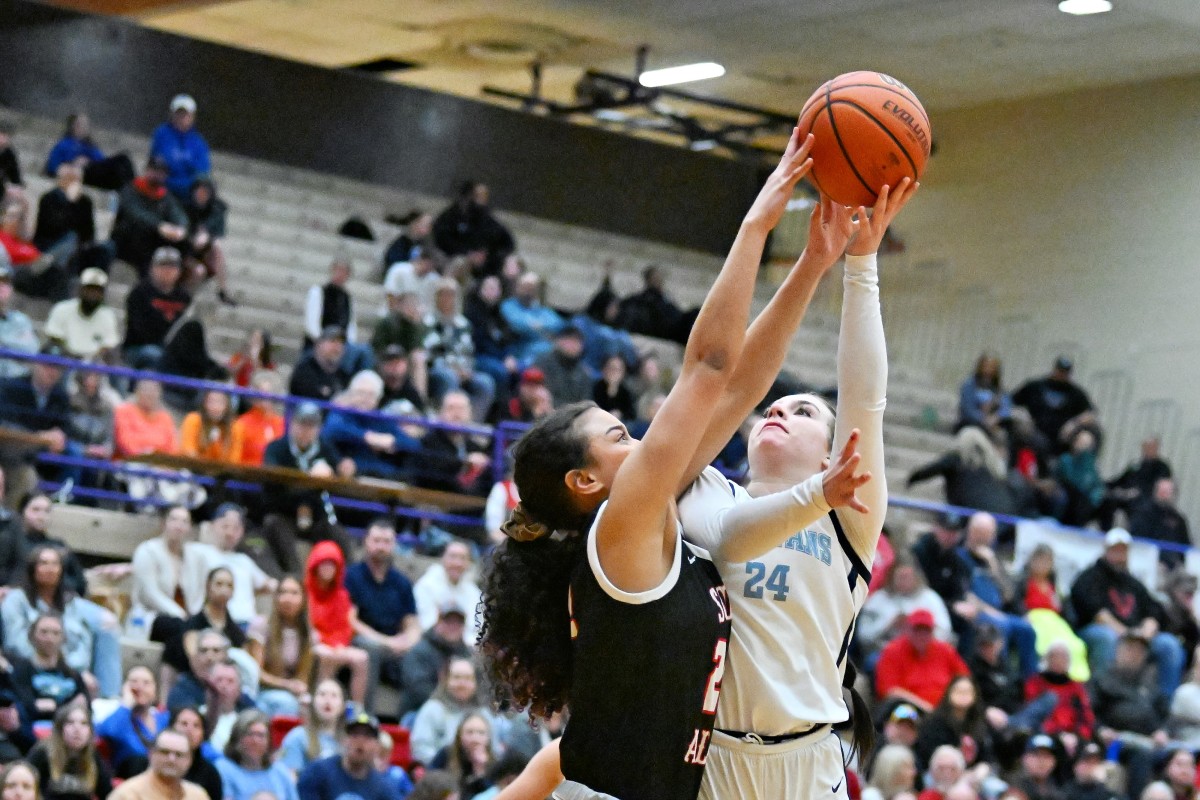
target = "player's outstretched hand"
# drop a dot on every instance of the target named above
(829, 230)
(872, 227)
(840, 483)
(773, 198)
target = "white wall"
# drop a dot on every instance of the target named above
(1065, 223)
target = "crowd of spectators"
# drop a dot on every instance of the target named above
(994, 681)
(349, 640)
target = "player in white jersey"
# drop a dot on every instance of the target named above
(796, 572)
(792, 454)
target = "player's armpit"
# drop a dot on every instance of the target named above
(541, 776)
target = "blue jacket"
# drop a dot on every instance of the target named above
(242, 784)
(531, 326)
(345, 428)
(328, 780)
(67, 149)
(186, 154)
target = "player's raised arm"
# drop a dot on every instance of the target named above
(634, 542)
(862, 364)
(830, 227)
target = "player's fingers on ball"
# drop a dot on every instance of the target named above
(793, 143)
(882, 200)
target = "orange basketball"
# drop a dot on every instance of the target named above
(869, 130)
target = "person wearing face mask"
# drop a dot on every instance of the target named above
(85, 327)
(148, 217)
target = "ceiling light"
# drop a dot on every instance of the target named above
(1083, 7)
(681, 74)
(700, 145)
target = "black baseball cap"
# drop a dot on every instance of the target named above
(332, 332)
(393, 351)
(363, 720)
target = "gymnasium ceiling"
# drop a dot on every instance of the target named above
(953, 53)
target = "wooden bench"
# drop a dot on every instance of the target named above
(98, 532)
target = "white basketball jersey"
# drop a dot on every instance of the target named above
(806, 592)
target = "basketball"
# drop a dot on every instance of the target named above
(869, 130)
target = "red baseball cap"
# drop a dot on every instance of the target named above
(921, 618)
(533, 375)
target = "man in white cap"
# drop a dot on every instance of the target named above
(178, 143)
(85, 327)
(1110, 603)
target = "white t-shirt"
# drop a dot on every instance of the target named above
(83, 336)
(248, 578)
(434, 590)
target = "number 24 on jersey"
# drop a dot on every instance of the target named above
(758, 583)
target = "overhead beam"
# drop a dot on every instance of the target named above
(132, 8)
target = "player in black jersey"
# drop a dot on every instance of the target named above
(595, 601)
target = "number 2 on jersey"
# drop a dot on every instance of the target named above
(777, 583)
(713, 692)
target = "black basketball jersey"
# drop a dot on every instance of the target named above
(647, 676)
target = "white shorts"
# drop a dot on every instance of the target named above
(807, 767)
(570, 790)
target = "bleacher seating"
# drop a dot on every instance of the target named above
(283, 225)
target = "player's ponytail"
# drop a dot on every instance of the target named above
(862, 727)
(525, 635)
(525, 629)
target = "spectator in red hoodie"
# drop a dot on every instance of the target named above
(333, 616)
(915, 667)
(35, 274)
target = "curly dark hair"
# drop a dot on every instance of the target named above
(525, 634)
(542, 457)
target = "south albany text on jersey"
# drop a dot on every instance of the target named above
(697, 752)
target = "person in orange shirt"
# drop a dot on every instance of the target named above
(259, 426)
(142, 425)
(207, 432)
